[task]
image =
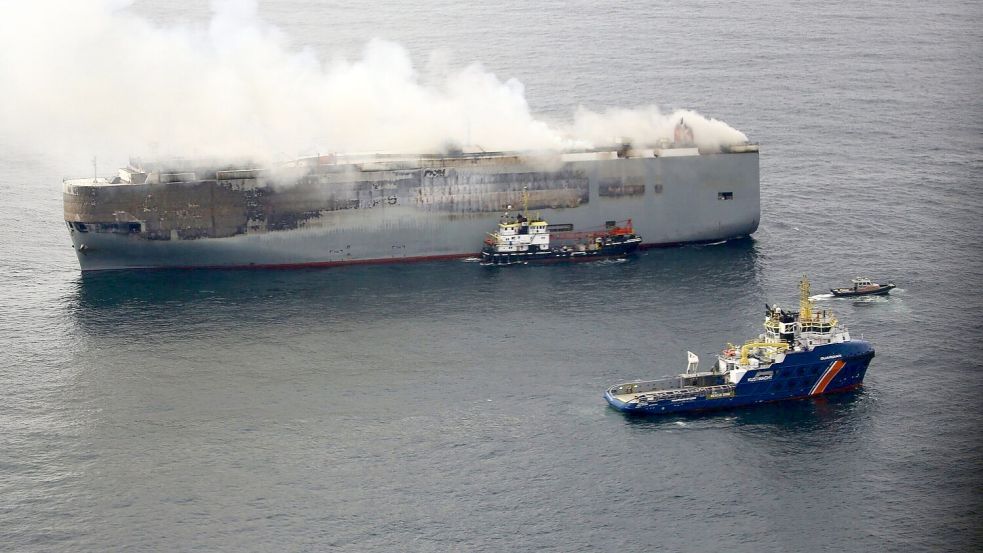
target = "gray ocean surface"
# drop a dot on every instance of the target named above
(446, 407)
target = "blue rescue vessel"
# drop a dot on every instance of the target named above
(801, 354)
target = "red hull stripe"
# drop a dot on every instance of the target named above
(828, 376)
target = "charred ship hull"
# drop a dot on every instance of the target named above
(335, 210)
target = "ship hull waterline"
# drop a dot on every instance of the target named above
(399, 260)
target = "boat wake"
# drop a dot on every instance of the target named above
(471, 260)
(614, 261)
(818, 297)
(870, 299)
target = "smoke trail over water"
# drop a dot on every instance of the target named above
(94, 76)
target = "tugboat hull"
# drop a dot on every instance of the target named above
(826, 369)
(618, 248)
(801, 354)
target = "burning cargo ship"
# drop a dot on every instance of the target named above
(350, 209)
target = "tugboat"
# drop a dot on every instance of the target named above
(521, 240)
(863, 287)
(800, 354)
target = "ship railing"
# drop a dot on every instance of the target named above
(84, 181)
(657, 395)
(663, 394)
(618, 228)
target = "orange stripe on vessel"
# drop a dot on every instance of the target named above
(831, 373)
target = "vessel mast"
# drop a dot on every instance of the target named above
(805, 304)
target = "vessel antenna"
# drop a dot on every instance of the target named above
(525, 202)
(95, 170)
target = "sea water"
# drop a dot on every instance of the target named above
(452, 407)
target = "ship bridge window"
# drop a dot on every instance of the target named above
(80, 227)
(725, 195)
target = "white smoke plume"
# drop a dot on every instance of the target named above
(648, 125)
(91, 75)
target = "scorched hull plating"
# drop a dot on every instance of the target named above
(397, 211)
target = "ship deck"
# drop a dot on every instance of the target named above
(652, 396)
